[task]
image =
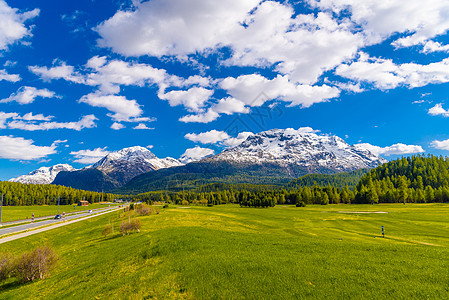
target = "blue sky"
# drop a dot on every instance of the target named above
(81, 78)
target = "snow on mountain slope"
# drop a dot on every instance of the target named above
(127, 163)
(43, 175)
(302, 148)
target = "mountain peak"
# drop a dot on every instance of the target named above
(43, 175)
(301, 147)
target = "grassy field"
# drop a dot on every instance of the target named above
(228, 252)
(13, 213)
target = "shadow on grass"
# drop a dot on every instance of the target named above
(12, 284)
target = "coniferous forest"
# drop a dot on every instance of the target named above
(416, 179)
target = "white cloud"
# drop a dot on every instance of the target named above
(206, 117)
(193, 99)
(431, 46)
(4, 75)
(241, 137)
(438, 110)
(259, 35)
(218, 137)
(39, 117)
(87, 121)
(89, 156)
(209, 137)
(12, 27)
(117, 126)
(442, 145)
(172, 27)
(396, 149)
(124, 110)
(27, 94)
(384, 74)
(195, 154)
(59, 71)
(142, 126)
(18, 148)
(255, 90)
(381, 19)
(230, 106)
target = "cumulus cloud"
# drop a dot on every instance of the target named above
(59, 70)
(124, 110)
(259, 34)
(438, 110)
(255, 90)
(117, 126)
(87, 157)
(218, 137)
(193, 99)
(142, 126)
(4, 75)
(396, 149)
(384, 74)
(12, 25)
(381, 19)
(195, 154)
(241, 137)
(18, 148)
(442, 145)
(205, 117)
(230, 106)
(87, 121)
(27, 94)
(209, 137)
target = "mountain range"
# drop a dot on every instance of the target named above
(274, 156)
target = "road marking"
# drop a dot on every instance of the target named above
(39, 230)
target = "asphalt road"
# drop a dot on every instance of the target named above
(28, 226)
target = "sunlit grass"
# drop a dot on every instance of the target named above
(233, 253)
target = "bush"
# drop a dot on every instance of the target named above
(131, 206)
(144, 210)
(300, 204)
(185, 202)
(6, 265)
(165, 205)
(130, 226)
(35, 264)
(107, 230)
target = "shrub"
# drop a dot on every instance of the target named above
(130, 226)
(131, 206)
(300, 204)
(107, 230)
(144, 210)
(35, 264)
(165, 205)
(6, 265)
(185, 202)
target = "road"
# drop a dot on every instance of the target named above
(29, 226)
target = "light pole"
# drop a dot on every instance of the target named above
(1, 209)
(59, 199)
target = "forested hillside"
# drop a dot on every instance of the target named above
(15, 193)
(412, 179)
(340, 180)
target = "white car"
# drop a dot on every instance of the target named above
(89, 211)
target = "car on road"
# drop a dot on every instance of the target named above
(58, 217)
(89, 211)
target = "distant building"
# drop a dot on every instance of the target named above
(83, 203)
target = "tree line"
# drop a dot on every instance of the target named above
(15, 193)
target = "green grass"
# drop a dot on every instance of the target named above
(13, 213)
(228, 252)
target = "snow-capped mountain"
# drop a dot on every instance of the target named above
(134, 157)
(43, 175)
(116, 169)
(301, 148)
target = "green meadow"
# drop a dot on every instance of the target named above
(14, 213)
(229, 252)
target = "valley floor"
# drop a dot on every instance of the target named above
(285, 252)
